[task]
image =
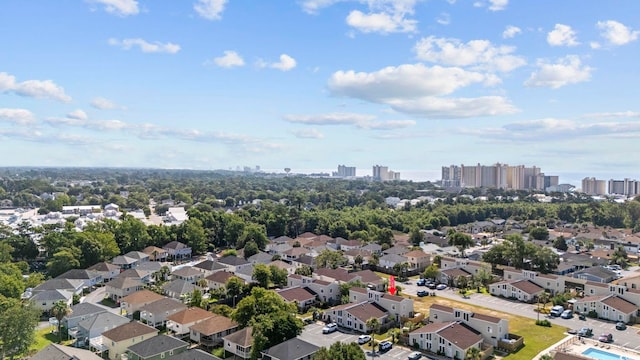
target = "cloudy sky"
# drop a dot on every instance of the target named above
(310, 84)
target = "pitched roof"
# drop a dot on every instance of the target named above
(460, 334)
(149, 250)
(50, 295)
(561, 355)
(220, 277)
(214, 325)
(432, 327)
(261, 258)
(123, 260)
(366, 310)
(142, 297)
(297, 293)
(488, 318)
(194, 354)
(416, 254)
(175, 245)
(455, 272)
(79, 274)
(291, 349)
(620, 304)
(85, 308)
(163, 305)
(296, 251)
(190, 315)
(368, 276)
(103, 266)
(596, 271)
(336, 274)
(448, 309)
(241, 337)
(156, 346)
(281, 265)
(179, 286)
(527, 286)
(60, 352)
(133, 273)
(137, 255)
(186, 272)
(124, 282)
(103, 321)
(129, 330)
(59, 284)
(233, 260)
(209, 265)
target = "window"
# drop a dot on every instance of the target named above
(162, 356)
(489, 329)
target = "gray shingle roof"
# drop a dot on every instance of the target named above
(194, 354)
(59, 352)
(291, 349)
(104, 321)
(83, 309)
(157, 345)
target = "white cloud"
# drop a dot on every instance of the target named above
(444, 19)
(308, 134)
(39, 89)
(387, 125)
(77, 114)
(17, 116)
(473, 53)
(511, 31)
(210, 9)
(105, 104)
(568, 70)
(119, 7)
(286, 63)
(498, 5)
(617, 33)
(618, 114)
(562, 35)
(380, 22)
(361, 121)
(595, 45)
(229, 59)
(445, 108)
(145, 46)
(312, 6)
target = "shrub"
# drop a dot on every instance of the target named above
(545, 323)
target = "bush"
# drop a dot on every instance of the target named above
(592, 314)
(545, 323)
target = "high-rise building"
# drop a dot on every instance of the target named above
(451, 176)
(382, 173)
(626, 187)
(499, 175)
(345, 171)
(593, 186)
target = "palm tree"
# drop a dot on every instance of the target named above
(473, 354)
(373, 324)
(59, 310)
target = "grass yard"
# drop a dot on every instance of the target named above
(536, 338)
(45, 337)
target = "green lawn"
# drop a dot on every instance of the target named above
(45, 337)
(536, 338)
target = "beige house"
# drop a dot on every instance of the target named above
(491, 328)
(418, 260)
(239, 343)
(120, 287)
(452, 339)
(609, 307)
(210, 332)
(523, 290)
(133, 302)
(157, 312)
(118, 339)
(398, 307)
(180, 323)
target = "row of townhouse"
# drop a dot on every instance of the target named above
(452, 332)
(616, 301)
(451, 268)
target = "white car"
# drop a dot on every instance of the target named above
(363, 339)
(329, 328)
(441, 287)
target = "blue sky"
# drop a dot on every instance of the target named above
(310, 84)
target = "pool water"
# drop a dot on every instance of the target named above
(602, 355)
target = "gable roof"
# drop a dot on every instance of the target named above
(142, 297)
(296, 293)
(366, 310)
(59, 284)
(175, 245)
(50, 295)
(416, 254)
(620, 304)
(368, 276)
(123, 260)
(432, 327)
(220, 277)
(129, 330)
(103, 266)
(179, 286)
(460, 334)
(291, 349)
(190, 315)
(209, 265)
(233, 260)
(103, 321)
(455, 272)
(80, 274)
(85, 308)
(163, 305)
(214, 325)
(124, 282)
(527, 286)
(156, 346)
(242, 337)
(260, 258)
(336, 274)
(194, 354)
(60, 352)
(186, 272)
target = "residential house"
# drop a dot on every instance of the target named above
(470, 266)
(417, 260)
(293, 253)
(177, 250)
(245, 273)
(140, 256)
(118, 340)
(453, 339)
(239, 343)
(209, 333)
(81, 311)
(90, 278)
(218, 280)
(397, 250)
(135, 301)
(302, 296)
(326, 291)
(398, 307)
(71, 285)
(373, 248)
(194, 354)
(292, 349)
(370, 279)
(156, 348)
(156, 254)
(304, 260)
(346, 245)
(61, 352)
(93, 327)
(157, 312)
(234, 263)
(631, 281)
(491, 328)
(137, 273)
(597, 274)
(125, 262)
(388, 261)
(290, 269)
(260, 258)
(189, 274)
(523, 290)
(107, 270)
(449, 276)
(179, 289)
(353, 254)
(354, 316)
(44, 300)
(609, 307)
(120, 287)
(209, 267)
(278, 248)
(180, 323)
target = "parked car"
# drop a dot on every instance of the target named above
(363, 339)
(329, 328)
(606, 338)
(421, 282)
(585, 332)
(431, 285)
(441, 287)
(556, 310)
(620, 325)
(415, 356)
(385, 345)
(567, 314)
(582, 317)
(422, 293)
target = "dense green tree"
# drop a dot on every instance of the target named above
(431, 272)
(416, 236)
(193, 234)
(255, 233)
(250, 249)
(234, 286)
(63, 260)
(539, 233)
(460, 240)
(278, 276)
(60, 310)
(304, 270)
(340, 351)
(560, 243)
(331, 259)
(17, 327)
(619, 257)
(262, 275)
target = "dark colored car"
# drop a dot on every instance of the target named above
(422, 293)
(421, 282)
(620, 325)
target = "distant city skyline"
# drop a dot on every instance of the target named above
(309, 84)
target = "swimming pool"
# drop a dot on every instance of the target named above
(602, 355)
